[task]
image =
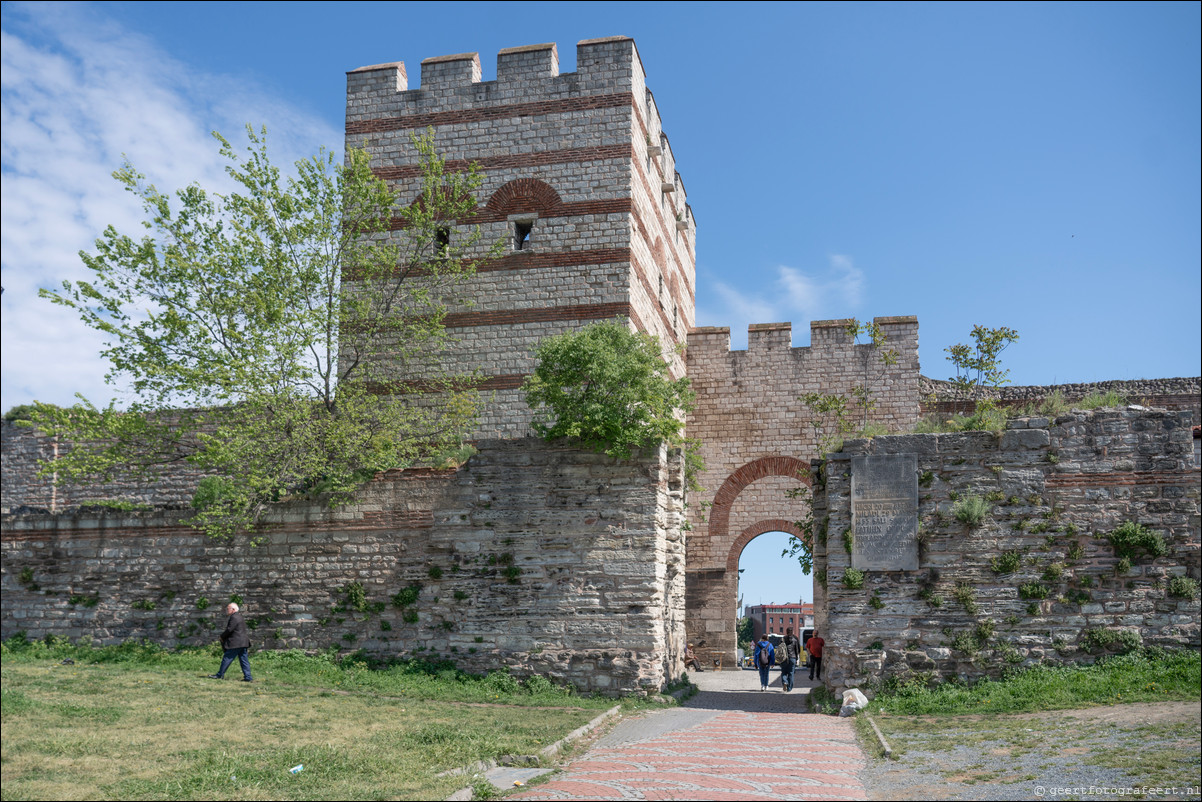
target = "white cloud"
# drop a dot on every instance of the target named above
(793, 296)
(78, 92)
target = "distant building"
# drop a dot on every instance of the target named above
(776, 618)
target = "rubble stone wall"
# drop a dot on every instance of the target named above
(1054, 489)
(539, 558)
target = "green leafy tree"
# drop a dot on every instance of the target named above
(609, 388)
(261, 330)
(744, 633)
(978, 365)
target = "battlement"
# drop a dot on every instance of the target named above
(708, 342)
(530, 73)
(609, 83)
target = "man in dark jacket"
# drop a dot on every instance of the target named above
(236, 642)
(792, 652)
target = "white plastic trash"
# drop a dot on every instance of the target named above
(853, 696)
(297, 769)
(853, 700)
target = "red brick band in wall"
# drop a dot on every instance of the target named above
(533, 260)
(569, 105)
(734, 484)
(513, 161)
(385, 520)
(509, 317)
(755, 530)
(1123, 479)
(574, 209)
(408, 386)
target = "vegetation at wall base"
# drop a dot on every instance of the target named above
(1149, 674)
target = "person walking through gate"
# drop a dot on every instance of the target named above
(791, 648)
(765, 656)
(814, 647)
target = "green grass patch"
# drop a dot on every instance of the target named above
(1147, 675)
(139, 722)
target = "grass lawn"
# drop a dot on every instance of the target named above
(141, 723)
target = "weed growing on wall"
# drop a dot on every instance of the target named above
(1131, 540)
(853, 579)
(971, 510)
(1183, 587)
(1006, 563)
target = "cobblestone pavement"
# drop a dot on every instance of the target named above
(730, 741)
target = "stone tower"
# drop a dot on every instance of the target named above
(580, 182)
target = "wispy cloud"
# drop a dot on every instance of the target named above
(794, 296)
(79, 93)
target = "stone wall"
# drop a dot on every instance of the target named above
(757, 442)
(582, 158)
(1176, 393)
(541, 558)
(1053, 488)
(23, 449)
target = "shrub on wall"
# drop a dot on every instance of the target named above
(1131, 540)
(1182, 587)
(971, 510)
(608, 387)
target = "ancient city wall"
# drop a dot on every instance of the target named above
(24, 449)
(1183, 393)
(579, 157)
(757, 442)
(541, 558)
(1035, 581)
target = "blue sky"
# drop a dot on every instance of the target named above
(1028, 165)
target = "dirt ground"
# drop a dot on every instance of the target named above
(1117, 752)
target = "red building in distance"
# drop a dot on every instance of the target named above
(776, 618)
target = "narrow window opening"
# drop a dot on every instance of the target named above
(675, 317)
(442, 240)
(521, 235)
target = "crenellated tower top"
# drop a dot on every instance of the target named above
(579, 180)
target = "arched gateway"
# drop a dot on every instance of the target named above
(757, 442)
(713, 547)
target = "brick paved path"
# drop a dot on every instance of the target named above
(730, 741)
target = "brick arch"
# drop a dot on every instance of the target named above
(523, 195)
(741, 478)
(752, 532)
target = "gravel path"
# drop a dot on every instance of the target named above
(1097, 753)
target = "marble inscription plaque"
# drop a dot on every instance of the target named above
(884, 512)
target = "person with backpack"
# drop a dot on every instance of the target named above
(765, 656)
(790, 654)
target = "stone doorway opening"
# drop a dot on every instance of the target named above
(773, 595)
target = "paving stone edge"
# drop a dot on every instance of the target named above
(554, 749)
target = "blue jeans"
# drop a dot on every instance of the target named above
(764, 674)
(786, 675)
(243, 661)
